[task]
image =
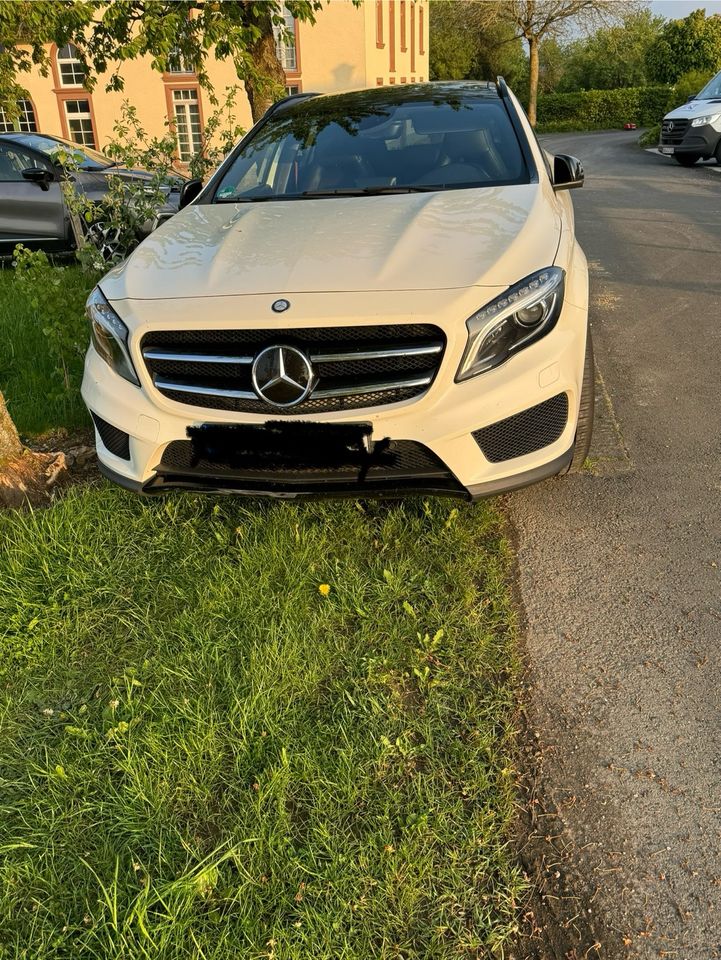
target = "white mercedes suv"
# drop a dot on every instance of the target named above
(377, 293)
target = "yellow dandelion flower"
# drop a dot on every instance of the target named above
(324, 589)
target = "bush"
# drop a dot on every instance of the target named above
(650, 137)
(56, 295)
(602, 109)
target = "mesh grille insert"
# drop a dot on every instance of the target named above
(524, 432)
(113, 439)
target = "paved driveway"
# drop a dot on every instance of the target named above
(620, 572)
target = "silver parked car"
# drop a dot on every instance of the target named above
(32, 208)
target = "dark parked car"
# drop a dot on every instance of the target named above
(32, 209)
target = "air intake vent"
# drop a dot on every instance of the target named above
(361, 366)
(524, 432)
(114, 440)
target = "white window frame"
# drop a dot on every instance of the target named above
(26, 121)
(76, 69)
(185, 98)
(82, 115)
(286, 50)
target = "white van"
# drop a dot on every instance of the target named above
(693, 132)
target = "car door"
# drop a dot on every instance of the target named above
(28, 212)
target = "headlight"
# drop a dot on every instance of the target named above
(512, 321)
(110, 336)
(702, 121)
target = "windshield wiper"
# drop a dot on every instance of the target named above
(365, 191)
(272, 196)
(339, 192)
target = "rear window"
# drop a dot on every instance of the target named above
(363, 145)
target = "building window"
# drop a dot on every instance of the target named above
(188, 128)
(379, 24)
(79, 121)
(285, 47)
(71, 71)
(292, 89)
(404, 15)
(25, 123)
(176, 64)
(421, 38)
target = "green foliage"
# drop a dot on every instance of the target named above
(110, 226)
(29, 373)
(109, 34)
(650, 137)
(612, 57)
(693, 43)
(206, 756)
(602, 109)
(56, 298)
(687, 86)
(463, 46)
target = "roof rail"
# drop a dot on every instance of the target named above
(289, 99)
(502, 87)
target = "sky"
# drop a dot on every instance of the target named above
(676, 9)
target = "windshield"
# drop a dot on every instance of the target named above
(366, 143)
(712, 90)
(87, 159)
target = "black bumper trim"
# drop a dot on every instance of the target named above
(700, 140)
(329, 490)
(508, 484)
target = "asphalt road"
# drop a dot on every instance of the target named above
(620, 572)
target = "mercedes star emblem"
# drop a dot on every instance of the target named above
(282, 376)
(280, 306)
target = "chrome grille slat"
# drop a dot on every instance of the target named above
(372, 388)
(195, 388)
(151, 353)
(339, 357)
(367, 365)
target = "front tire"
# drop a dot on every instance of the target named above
(687, 159)
(584, 427)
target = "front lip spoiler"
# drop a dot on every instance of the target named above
(159, 484)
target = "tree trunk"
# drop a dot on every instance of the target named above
(533, 79)
(10, 445)
(268, 82)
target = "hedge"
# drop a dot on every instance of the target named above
(602, 109)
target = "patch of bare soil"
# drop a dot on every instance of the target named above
(559, 919)
(47, 466)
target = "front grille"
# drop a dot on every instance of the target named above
(354, 367)
(524, 432)
(113, 439)
(673, 131)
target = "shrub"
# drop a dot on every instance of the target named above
(650, 137)
(602, 109)
(57, 296)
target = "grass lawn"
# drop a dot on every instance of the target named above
(32, 391)
(238, 729)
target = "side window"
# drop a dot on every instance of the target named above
(13, 160)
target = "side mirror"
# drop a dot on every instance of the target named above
(188, 192)
(38, 175)
(567, 172)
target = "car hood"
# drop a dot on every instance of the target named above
(693, 109)
(444, 240)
